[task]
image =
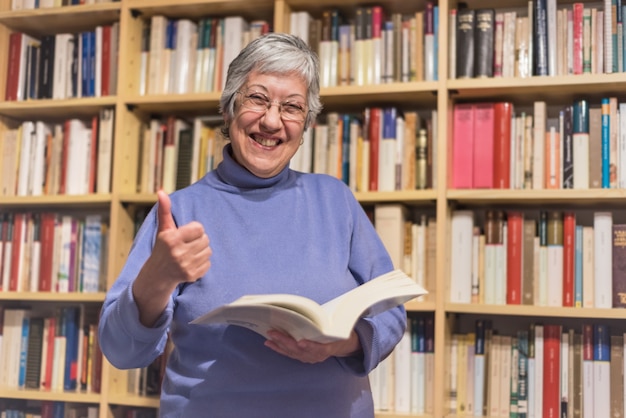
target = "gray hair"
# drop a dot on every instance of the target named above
(273, 53)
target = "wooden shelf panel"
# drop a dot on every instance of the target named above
(40, 395)
(347, 7)
(53, 297)
(536, 311)
(410, 95)
(401, 196)
(134, 400)
(525, 91)
(38, 22)
(195, 9)
(194, 104)
(419, 306)
(56, 109)
(523, 197)
(56, 202)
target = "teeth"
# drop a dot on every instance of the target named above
(266, 142)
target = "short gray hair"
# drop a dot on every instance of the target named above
(274, 53)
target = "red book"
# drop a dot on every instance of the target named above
(569, 257)
(577, 20)
(463, 146)
(514, 257)
(47, 250)
(17, 265)
(483, 145)
(551, 370)
(13, 70)
(502, 114)
(46, 375)
(374, 138)
(106, 61)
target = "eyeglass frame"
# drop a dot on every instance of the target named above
(270, 103)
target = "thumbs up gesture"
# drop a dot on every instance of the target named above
(180, 254)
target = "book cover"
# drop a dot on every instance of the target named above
(483, 152)
(483, 42)
(465, 43)
(514, 262)
(603, 259)
(568, 149)
(619, 265)
(601, 371)
(569, 259)
(302, 318)
(502, 113)
(461, 227)
(551, 371)
(463, 146)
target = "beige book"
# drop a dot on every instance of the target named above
(539, 134)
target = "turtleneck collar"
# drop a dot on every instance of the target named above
(231, 172)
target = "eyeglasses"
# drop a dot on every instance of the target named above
(291, 110)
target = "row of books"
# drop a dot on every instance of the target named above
(182, 56)
(52, 252)
(542, 39)
(370, 47)
(577, 146)
(45, 409)
(52, 351)
(64, 65)
(176, 152)
(547, 370)
(74, 157)
(410, 237)
(42, 4)
(381, 149)
(404, 381)
(552, 258)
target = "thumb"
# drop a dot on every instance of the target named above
(164, 212)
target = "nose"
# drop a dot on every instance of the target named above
(271, 119)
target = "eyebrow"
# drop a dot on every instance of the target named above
(265, 91)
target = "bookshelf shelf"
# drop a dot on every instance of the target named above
(403, 94)
(58, 19)
(56, 109)
(420, 306)
(259, 9)
(536, 311)
(134, 400)
(195, 103)
(53, 297)
(407, 196)
(57, 201)
(40, 395)
(569, 196)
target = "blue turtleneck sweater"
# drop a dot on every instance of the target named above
(292, 233)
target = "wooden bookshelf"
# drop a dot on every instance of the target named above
(133, 109)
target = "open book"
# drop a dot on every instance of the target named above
(303, 318)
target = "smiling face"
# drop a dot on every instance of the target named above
(263, 142)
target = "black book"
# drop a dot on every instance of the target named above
(483, 42)
(46, 67)
(465, 43)
(185, 156)
(33, 355)
(568, 149)
(540, 37)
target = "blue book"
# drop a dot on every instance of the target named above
(601, 343)
(23, 352)
(606, 140)
(479, 367)
(85, 64)
(70, 326)
(436, 33)
(578, 267)
(345, 148)
(92, 253)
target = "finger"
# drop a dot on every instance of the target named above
(192, 231)
(164, 212)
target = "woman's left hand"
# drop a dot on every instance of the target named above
(310, 351)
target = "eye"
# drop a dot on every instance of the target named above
(293, 108)
(258, 99)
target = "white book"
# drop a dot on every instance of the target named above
(38, 153)
(25, 168)
(63, 275)
(234, 28)
(603, 259)
(588, 267)
(461, 226)
(77, 165)
(184, 48)
(355, 132)
(608, 37)
(555, 275)
(91, 254)
(402, 373)
(105, 151)
(566, 398)
(389, 221)
(552, 50)
(500, 272)
(543, 276)
(601, 372)
(452, 44)
(418, 367)
(531, 393)
(158, 32)
(98, 62)
(479, 386)
(539, 135)
(61, 65)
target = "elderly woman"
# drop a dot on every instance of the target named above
(271, 230)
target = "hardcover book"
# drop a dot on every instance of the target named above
(302, 318)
